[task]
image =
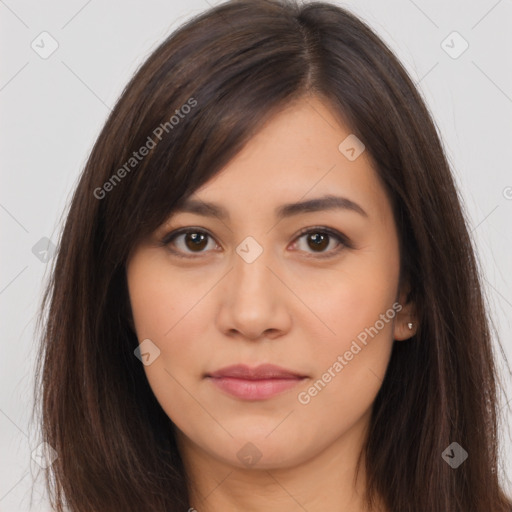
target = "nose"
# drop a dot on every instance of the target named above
(253, 300)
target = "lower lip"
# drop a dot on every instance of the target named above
(254, 389)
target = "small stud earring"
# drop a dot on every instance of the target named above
(409, 325)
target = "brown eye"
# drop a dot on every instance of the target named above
(188, 241)
(320, 239)
(185, 242)
(195, 241)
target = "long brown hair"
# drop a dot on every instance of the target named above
(194, 103)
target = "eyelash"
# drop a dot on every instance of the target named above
(340, 237)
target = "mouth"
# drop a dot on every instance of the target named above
(260, 383)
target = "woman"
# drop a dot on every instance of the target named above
(265, 295)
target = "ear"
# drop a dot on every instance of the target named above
(406, 316)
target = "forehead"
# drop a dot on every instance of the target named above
(299, 155)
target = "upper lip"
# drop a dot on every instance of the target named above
(263, 371)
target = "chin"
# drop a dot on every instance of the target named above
(262, 449)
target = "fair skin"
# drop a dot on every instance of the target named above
(292, 306)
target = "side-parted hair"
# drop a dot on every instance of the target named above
(194, 104)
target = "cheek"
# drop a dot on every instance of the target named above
(351, 300)
(351, 357)
(160, 298)
(163, 305)
(350, 365)
(169, 308)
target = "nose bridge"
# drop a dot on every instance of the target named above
(251, 262)
(249, 299)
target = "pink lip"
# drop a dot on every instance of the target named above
(258, 383)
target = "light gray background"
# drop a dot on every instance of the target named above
(53, 109)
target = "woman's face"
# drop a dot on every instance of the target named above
(265, 284)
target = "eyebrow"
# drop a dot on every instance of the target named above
(328, 202)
